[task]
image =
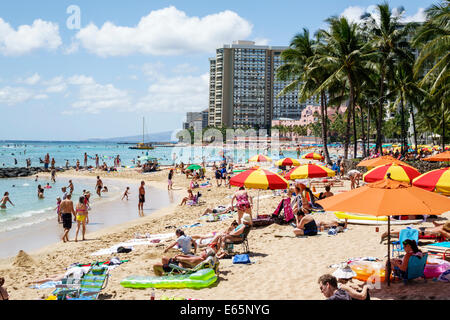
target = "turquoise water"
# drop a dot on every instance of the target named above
(28, 209)
(73, 151)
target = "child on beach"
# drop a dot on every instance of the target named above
(126, 193)
(58, 209)
(169, 181)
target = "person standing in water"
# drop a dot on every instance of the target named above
(99, 186)
(126, 193)
(169, 181)
(46, 161)
(70, 186)
(66, 208)
(85, 160)
(141, 198)
(4, 200)
(96, 161)
(53, 175)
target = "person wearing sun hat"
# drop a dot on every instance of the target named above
(237, 233)
(344, 275)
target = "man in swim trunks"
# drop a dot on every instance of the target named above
(99, 186)
(85, 160)
(141, 197)
(67, 211)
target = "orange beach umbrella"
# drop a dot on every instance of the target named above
(443, 156)
(379, 161)
(387, 198)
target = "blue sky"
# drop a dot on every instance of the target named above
(133, 58)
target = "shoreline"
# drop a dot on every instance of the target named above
(99, 207)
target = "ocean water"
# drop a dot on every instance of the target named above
(28, 209)
(12, 152)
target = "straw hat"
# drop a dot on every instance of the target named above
(344, 272)
(247, 218)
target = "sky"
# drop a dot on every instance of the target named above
(74, 70)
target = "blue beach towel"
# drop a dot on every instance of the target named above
(241, 259)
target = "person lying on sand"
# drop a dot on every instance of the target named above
(340, 226)
(185, 261)
(218, 210)
(74, 272)
(439, 229)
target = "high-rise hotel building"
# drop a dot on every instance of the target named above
(243, 89)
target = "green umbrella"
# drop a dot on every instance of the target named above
(194, 167)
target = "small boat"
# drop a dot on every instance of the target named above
(142, 145)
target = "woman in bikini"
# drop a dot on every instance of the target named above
(82, 217)
(186, 199)
(4, 200)
(244, 203)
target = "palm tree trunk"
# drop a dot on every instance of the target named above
(414, 126)
(368, 129)
(443, 126)
(350, 109)
(323, 112)
(380, 111)
(363, 134)
(355, 137)
(402, 113)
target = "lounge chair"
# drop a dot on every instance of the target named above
(209, 263)
(416, 268)
(408, 233)
(229, 245)
(89, 288)
(439, 249)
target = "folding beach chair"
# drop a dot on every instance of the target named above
(408, 233)
(90, 286)
(229, 245)
(416, 268)
(439, 249)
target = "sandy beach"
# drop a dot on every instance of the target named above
(283, 267)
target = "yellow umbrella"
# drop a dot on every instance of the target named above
(287, 162)
(309, 171)
(260, 158)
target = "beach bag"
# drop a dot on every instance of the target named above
(241, 259)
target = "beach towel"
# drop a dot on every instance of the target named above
(284, 205)
(46, 285)
(198, 224)
(128, 244)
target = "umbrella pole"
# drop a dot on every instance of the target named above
(388, 267)
(257, 207)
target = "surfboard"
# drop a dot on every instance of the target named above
(375, 222)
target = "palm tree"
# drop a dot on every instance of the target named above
(433, 40)
(387, 37)
(342, 58)
(304, 75)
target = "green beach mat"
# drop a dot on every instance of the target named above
(200, 279)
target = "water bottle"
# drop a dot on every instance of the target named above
(152, 296)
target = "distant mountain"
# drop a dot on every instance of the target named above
(151, 137)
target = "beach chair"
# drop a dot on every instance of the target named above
(416, 268)
(229, 245)
(209, 263)
(90, 286)
(408, 233)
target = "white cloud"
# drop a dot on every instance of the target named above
(32, 80)
(14, 95)
(40, 96)
(57, 88)
(419, 16)
(177, 94)
(152, 70)
(41, 34)
(94, 97)
(167, 31)
(185, 68)
(354, 13)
